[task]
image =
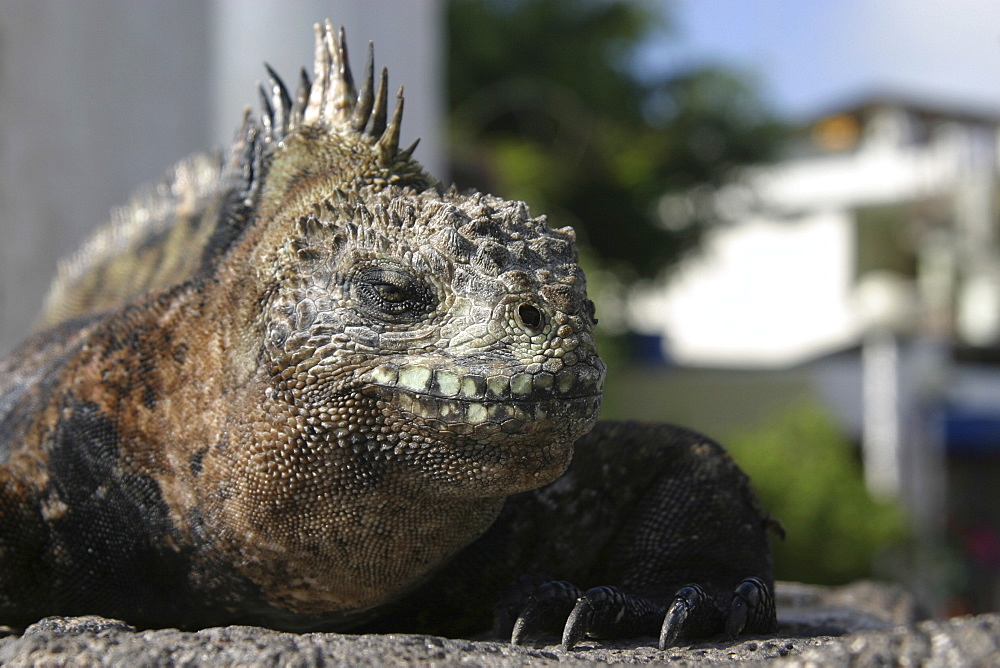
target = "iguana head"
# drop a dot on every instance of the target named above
(448, 331)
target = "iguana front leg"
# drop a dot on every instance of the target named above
(642, 512)
(683, 536)
(671, 539)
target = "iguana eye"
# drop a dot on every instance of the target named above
(391, 292)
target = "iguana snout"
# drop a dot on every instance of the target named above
(536, 367)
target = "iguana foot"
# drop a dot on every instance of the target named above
(609, 612)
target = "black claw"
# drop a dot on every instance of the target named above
(751, 610)
(673, 622)
(523, 627)
(513, 600)
(685, 616)
(578, 623)
(546, 609)
(739, 611)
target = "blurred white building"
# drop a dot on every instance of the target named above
(885, 195)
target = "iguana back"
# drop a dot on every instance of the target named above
(152, 243)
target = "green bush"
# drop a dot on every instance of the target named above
(809, 477)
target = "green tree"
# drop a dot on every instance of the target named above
(809, 477)
(547, 105)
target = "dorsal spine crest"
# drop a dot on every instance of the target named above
(332, 102)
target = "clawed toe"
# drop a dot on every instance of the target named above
(691, 614)
(751, 610)
(546, 609)
(607, 612)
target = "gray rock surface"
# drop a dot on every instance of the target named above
(861, 624)
(961, 641)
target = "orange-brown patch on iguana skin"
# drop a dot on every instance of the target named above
(137, 370)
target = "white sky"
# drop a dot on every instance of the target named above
(811, 55)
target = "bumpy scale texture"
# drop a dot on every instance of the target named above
(304, 386)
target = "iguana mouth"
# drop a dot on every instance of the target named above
(510, 400)
(511, 416)
(451, 382)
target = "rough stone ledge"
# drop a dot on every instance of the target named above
(861, 624)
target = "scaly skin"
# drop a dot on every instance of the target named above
(299, 387)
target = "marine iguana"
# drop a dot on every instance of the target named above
(305, 386)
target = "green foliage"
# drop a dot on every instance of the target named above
(808, 476)
(547, 106)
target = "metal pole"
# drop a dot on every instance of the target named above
(881, 439)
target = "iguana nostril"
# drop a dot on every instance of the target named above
(529, 317)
